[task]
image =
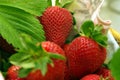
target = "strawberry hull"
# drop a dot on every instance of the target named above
(55, 72)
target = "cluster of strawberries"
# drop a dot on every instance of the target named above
(84, 56)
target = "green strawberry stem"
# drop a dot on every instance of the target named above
(89, 29)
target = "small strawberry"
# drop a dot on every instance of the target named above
(105, 73)
(57, 23)
(84, 54)
(55, 72)
(5, 46)
(91, 77)
(12, 73)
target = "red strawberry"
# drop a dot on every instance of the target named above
(67, 73)
(85, 56)
(91, 77)
(105, 73)
(5, 46)
(12, 73)
(87, 52)
(53, 73)
(57, 23)
(65, 47)
(67, 70)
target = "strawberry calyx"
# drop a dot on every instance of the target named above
(89, 29)
(32, 58)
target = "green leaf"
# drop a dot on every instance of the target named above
(115, 65)
(98, 36)
(101, 39)
(87, 28)
(57, 3)
(9, 33)
(42, 64)
(56, 56)
(94, 31)
(71, 5)
(63, 3)
(14, 22)
(22, 59)
(23, 72)
(49, 2)
(34, 7)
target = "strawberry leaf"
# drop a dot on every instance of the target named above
(49, 2)
(42, 64)
(63, 3)
(94, 31)
(98, 36)
(23, 60)
(23, 72)
(33, 7)
(5, 26)
(115, 65)
(56, 56)
(34, 57)
(87, 28)
(14, 22)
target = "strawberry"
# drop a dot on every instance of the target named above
(57, 23)
(12, 73)
(5, 46)
(105, 73)
(67, 73)
(91, 77)
(65, 47)
(53, 73)
(67, 70)
(84, 54)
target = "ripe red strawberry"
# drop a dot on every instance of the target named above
(57, 23)
(67, 74)
(91, 77)
(53, 73)
(5, 46)
(85, 56)
(105, 73)
(12, 73)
